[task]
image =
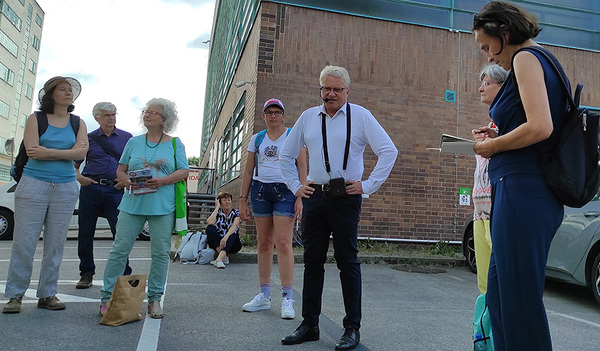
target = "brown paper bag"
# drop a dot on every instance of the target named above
(126, 300)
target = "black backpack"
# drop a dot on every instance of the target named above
(22, 158)
(573, 172)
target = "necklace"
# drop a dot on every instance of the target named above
(147, 161)
(159, 140)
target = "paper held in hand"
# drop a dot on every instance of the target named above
(139, 178)
(455, 145)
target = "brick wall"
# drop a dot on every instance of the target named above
(400, 72)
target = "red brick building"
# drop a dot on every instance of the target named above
(419, 81)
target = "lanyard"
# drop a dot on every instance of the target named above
(324, 133)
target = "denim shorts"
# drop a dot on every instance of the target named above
(272, 199)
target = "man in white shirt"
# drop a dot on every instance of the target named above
(332, 196)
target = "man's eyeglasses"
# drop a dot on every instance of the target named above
(327, 90)
(150, 112)
(274, 113)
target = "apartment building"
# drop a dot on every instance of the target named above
(21, 23)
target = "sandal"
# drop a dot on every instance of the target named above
(155, 310)
(103, 307)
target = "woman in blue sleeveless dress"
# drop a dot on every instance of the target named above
(528, 110)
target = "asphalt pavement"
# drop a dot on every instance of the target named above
(429, 309)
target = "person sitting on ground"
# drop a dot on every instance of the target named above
(222, 232)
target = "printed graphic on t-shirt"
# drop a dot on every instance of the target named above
(271, 151)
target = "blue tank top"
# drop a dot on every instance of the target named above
(55, 171)
(508, 113)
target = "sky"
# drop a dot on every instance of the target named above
(128, 52)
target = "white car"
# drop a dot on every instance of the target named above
(7, 214)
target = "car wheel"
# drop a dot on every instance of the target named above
(145, 233)
(7, 224)
(469, 249)
(595, 278)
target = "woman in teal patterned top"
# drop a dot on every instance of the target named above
(153, 201)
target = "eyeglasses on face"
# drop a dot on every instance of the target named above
(327, 90)
(274, 113)
(150, 112)
(487, 83)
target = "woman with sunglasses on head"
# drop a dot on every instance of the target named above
(47, 192)
(529, 111)
(274, 206)
(154, 200)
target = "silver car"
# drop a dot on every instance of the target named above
(575, 251)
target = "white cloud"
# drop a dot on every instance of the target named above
(129, 51)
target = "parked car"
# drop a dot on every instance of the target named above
(7, 210)
(574, 255)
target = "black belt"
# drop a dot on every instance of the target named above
(320, 187)
(103, 181)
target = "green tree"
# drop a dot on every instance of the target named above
(193, 161)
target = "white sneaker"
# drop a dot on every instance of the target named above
(226, 260)
(287, 309)
(213, 262)
(258, 303)
(220, 264)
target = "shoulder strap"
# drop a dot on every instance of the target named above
(259, 138)
(75, 124)
(348, 133)
(288, 131)
(175, 151)
(104, 146)
(42, 121)
(573, 101)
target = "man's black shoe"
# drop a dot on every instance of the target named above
(349, 340)
(301, 334)
(85, 281)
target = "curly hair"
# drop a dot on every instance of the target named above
(169, 113)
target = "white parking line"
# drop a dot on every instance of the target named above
(455, 278)
(151, 329)
(593, 324)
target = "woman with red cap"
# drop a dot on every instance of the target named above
(275, 208)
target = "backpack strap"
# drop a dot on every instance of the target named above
(42, 122)
(573, 101)
(75, 123)
(259, 138)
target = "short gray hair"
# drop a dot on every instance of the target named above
(494, 72)
(103, 106)
(169, 113)
(335, 71)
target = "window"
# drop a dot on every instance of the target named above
(11, 15)
(231, 166)
(38, 20)
(29, 91)
(10, 45)
(36, 43)
(23, 120)
(6, 74)
(32, 66)
(22, 2)
(4, 109)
